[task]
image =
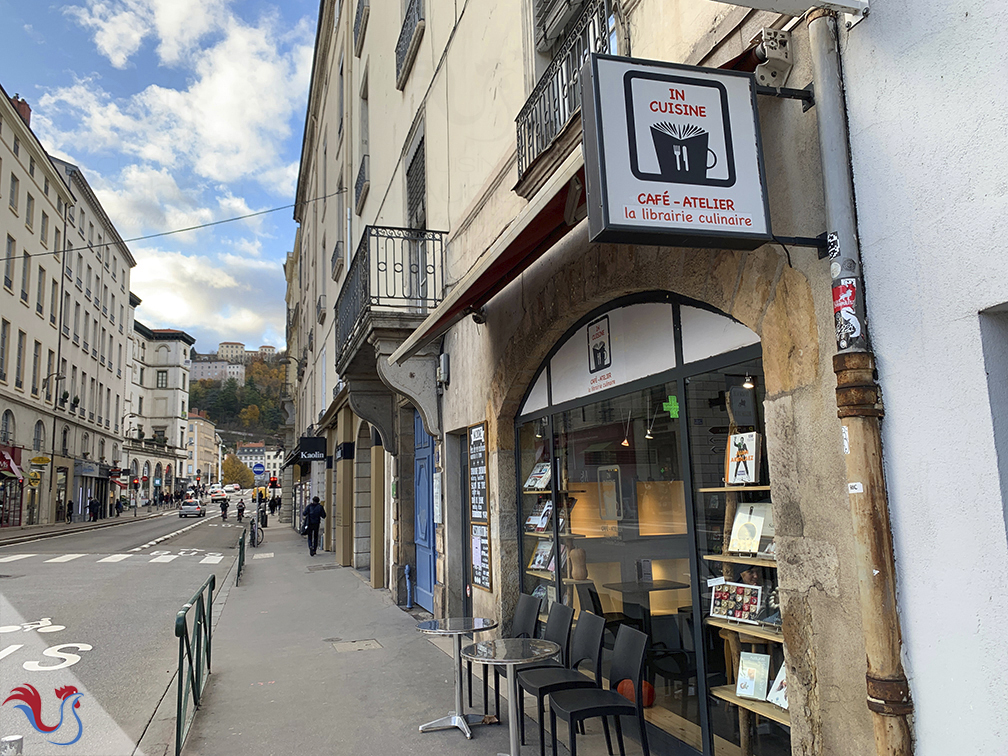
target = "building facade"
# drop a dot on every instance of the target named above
(231, 351)
(203, 449)
(216, 370)
(507, 406)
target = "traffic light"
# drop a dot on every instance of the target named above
(273, 482)
(136, 483)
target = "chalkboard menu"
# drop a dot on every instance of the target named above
(480, 551)
(477, 473)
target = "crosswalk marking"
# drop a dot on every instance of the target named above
(211, 560)
(267, 555)
(164, 558)
(115, 558)
(66, 558)
(15, 557)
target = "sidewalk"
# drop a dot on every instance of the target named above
(279, 685)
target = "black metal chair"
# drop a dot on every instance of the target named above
(586, 648)
(524, 624)
(575, 706)
(670, 659)
(589, 597)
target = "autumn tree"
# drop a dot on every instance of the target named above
(233, 470)
(249, 416)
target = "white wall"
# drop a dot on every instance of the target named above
(927, 102)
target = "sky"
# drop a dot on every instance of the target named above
(179, 113)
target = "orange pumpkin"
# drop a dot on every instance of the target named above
(626, 689)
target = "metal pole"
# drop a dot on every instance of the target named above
(859, 407)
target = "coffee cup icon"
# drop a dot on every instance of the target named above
(682, 152)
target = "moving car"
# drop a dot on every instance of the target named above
(191, 507)
(234, 487)
(218, 494)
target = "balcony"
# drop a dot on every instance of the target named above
(320, 309)
(360, 25)
(556, 99)
(409, 41)
(394, 280)
(336, 263)
(363, 184)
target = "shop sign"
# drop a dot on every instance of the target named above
(673, 155)
(157, 481)
(85, 469)
(40, 460)
(144, 479)
(478, 510)
(34, 478)
(311, 449)
(9, 459)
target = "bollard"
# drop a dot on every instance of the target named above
(11, 745)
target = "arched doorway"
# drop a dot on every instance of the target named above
(423, 514)
(157, 483)
(145, 483)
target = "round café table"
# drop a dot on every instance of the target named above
(511, 653)
(455, 627)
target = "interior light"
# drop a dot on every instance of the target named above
(648, 435)
(748, 382)
(625, 442)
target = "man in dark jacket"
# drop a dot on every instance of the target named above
(314, 514)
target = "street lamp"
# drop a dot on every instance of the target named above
(126, 439)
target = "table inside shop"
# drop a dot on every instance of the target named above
(638, 592)
(456, 627)
(510, 653)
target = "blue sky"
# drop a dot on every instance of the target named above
(180, 112)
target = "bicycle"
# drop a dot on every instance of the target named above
(256, 534)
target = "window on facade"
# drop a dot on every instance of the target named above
(31, 166)
(53, 301)
(19, 369)
(87, 288)
(17, 147)
(76, 329)
(25, 276)
(36, 363)
(416, 189)
(141, 381)
(7, 428)
(4, 340)
(50, 378)
(140, 405)
(40, 291)
(45, 188)
(30, 211)
(162, 379)
(12, 199)
(44, 230)
(9, 263)
(57, 239)
(38, 440)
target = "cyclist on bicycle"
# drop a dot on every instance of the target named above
(241, 509)
(224, 509)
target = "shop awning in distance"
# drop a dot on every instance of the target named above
(540, 225)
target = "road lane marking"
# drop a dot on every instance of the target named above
(211, 560)
(267, 555)
(66, 558)
(115, 558)
(165, 558)
(15, 557)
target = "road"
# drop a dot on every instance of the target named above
(114, 593)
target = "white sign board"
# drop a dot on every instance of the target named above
(672, 155)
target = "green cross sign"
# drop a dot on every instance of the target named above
(672, 407)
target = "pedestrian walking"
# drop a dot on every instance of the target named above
(118, 507)
(93, 509)
(314, 514)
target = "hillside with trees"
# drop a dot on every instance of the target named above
(244, 412)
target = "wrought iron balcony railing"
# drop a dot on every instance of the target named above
(363, 184)
(395, 271)
(360, 25)
(556, 99)
(409, 41)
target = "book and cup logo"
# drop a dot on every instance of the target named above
(679, 129)
(683, 154)
(599, 347)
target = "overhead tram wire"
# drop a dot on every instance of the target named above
(177, 230)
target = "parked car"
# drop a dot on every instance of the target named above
(218, 495)
(191, 507)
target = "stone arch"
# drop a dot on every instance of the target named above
(758, 288)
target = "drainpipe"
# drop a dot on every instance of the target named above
(859, 407)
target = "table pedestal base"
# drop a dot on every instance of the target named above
(461, 721)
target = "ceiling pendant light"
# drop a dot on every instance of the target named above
(748, 382)
(626, 432)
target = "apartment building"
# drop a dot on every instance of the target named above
(156, 434)
(485, 307)
(202, 449)
(216, 370)
(33, 200)
(231, 351)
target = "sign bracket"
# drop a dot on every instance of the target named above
(818, 242)
(806, 95)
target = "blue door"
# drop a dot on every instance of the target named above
(423, 529)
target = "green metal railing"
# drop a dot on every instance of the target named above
(241, 557)
(194, 656)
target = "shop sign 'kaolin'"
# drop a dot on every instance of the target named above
(672, 155)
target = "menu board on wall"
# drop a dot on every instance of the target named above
(480, 551)
(477, 474)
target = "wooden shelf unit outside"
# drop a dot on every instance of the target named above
(732, 489)
(761, 708)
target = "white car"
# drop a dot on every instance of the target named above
(233, 487)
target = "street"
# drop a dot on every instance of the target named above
(96, 610)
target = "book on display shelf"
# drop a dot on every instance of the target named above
(778, 691)
(541, 556)
(539, 478)
(754, 669)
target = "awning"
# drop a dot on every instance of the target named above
(539, 226)
(12, 469)
(117, 482)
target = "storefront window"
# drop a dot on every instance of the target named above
(625, 511)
